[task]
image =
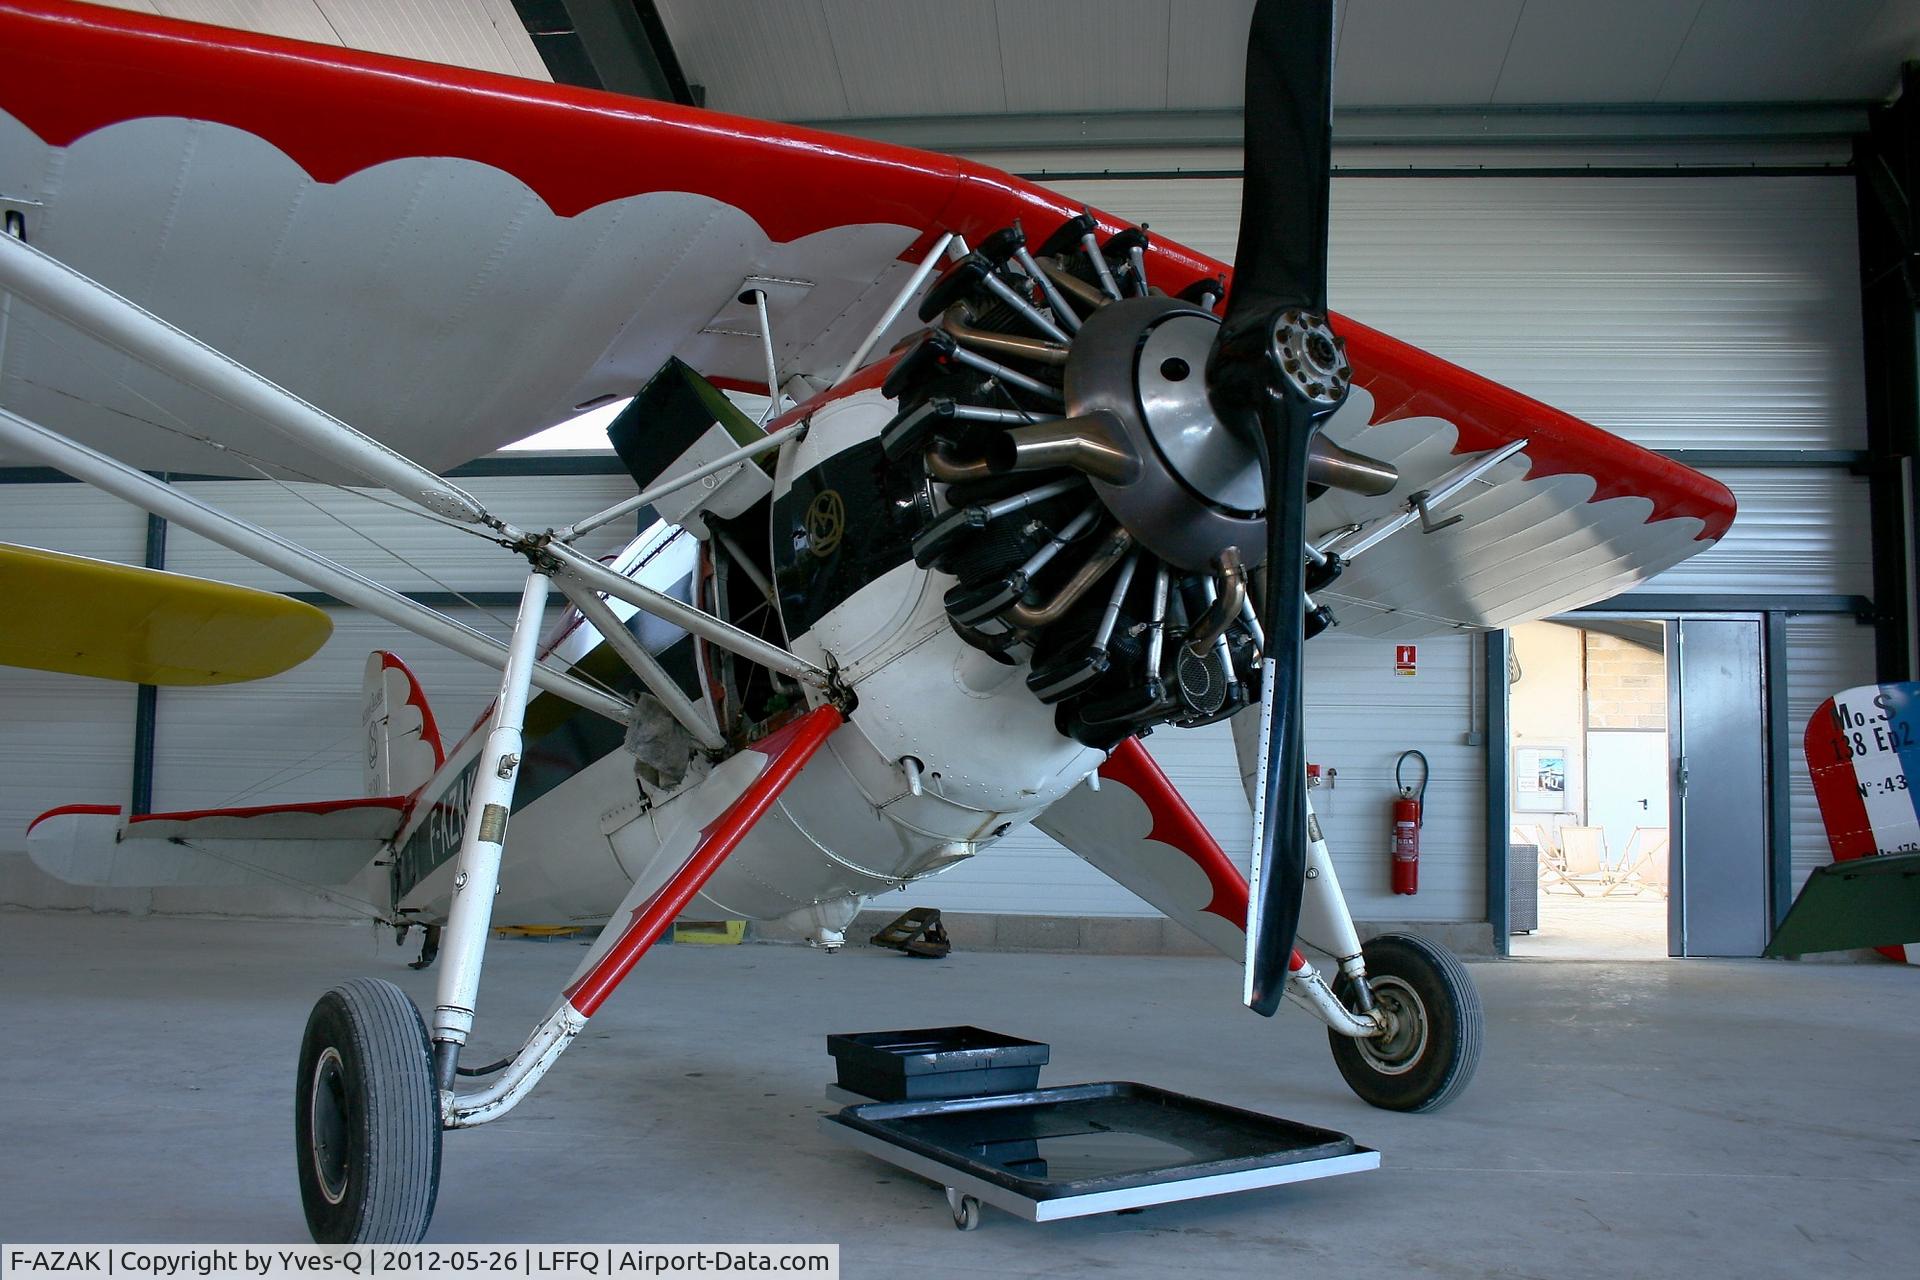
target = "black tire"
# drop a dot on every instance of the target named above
(1430, 1057)
(367, 1118)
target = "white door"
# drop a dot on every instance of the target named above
(1626, 783)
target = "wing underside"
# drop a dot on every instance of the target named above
(450, 261)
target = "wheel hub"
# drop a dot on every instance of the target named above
(1404, 1036)
(327, 1122)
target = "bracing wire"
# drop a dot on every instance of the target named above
(276, 779)
(358, 905)
(259, 465)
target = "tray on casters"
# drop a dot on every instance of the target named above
(1073, 1150)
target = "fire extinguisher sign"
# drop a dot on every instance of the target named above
(1403, 659)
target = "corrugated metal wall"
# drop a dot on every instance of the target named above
(1680, 312)
(65, 739)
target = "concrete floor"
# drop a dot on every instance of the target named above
(1695, 1118)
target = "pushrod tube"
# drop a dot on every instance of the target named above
(89, 305)
(318, 572)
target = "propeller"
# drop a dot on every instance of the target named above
(1275, 373)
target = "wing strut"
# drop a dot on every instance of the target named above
(91, 306)
(318, 572)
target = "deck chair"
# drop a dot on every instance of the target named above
(1644, 866)
(1553, 862)
(1586, 853)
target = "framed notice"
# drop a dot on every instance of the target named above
(1540, 779)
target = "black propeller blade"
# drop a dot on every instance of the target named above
(1276, 371)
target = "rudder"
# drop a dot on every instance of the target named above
(403, 748)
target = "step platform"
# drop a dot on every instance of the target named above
(1069, 1151)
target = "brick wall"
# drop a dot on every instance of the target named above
(1626, 685)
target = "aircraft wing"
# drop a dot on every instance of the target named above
(306, 844)
(1139, 831)
(451, 260)
(1575, 515)
(447, 260)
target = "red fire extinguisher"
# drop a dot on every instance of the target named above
(1407, 821)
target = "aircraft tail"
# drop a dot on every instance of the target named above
(403, 742)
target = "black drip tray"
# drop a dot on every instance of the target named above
(935, 1062)
(1089, 1148)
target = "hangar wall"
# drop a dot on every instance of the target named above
(1686, 313)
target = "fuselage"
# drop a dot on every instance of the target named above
(945, 750)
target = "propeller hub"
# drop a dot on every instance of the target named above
(1312, 358)
(1198, 490)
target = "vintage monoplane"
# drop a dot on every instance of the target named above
(1029, 491)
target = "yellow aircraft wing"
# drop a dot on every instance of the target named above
(86, 617)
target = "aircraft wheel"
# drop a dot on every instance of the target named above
(367, 1117)
(1435, 1026)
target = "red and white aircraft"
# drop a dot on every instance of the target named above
(1036, 494)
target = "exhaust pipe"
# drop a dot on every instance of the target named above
(1028, 617)
(1093, 445)
(1336, 468)
(1230, 581)
(941, 465)
(957, 322)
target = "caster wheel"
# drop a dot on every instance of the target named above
(1435, 1027)
(366, 1118)
(966, 1210)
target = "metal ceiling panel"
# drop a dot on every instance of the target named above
(291, 19)
(1437, 52)
(1579, 51)
(486, 35)
(1793, 50)
(866, 59)
(1058, 57)
(905, 59)
(771, 61)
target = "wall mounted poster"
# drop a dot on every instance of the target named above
(1540, 779)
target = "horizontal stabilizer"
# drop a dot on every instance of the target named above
(312, 844)
(1863, 902)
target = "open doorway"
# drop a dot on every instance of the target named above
(1590, 770)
